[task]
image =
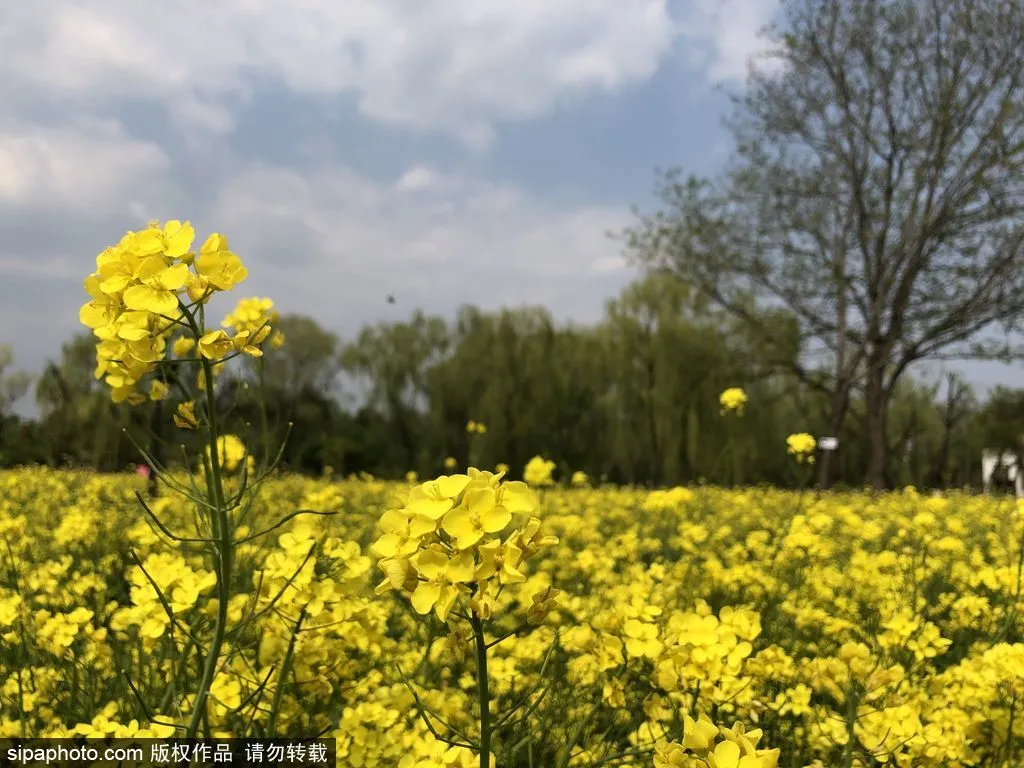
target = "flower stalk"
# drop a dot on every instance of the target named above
(483, 691)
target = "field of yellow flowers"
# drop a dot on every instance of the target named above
(670, 628)
(471, 621)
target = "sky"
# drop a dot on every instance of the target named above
(440, 151)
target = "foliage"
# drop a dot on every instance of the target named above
(874, 194)
(633, 398)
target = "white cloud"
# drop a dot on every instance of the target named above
(342, 242)
(329, 243)
(417, 177)
(610, 263)
(93, 164)
(731, 30)
(457, 66)
(54, 267)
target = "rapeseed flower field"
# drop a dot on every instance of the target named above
(667, 628)
(473, 620)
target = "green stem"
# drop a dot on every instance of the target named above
(1009, 732)
(264, 424)
(483, 692)
(286, 668)
(737, 465)
(1011, 612)
(223, 547)
(852, 704)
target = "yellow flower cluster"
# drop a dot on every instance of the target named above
(538, 471)
(444, 542)
(146, 615)
(250, 317)
(801, 446)
(141, 293)
(668, 499)
(733, 399)
(706, 744)
(231, 453)
(476, 428)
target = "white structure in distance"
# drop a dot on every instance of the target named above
(991, 460)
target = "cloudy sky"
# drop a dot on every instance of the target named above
(444, 151)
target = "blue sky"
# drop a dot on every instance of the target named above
(444, 151)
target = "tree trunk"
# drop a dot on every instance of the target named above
(829, 460)
(942, 471)
(652, 424)
(875, 424)
(692, 443)
(844, 382)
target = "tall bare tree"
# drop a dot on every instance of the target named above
(876, 192)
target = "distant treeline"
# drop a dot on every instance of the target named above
(632, 399)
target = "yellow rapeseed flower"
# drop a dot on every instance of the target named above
(733, 399)
(185, 416)
(801, 446)
(441, 579)
(538, 471)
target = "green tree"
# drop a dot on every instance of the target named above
(301, 385)
(307, 361)
(876, 193)
(79, 423)
(392, 360)
(13, 386)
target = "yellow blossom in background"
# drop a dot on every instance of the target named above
(801, 446)
(580, 479)
(157, 390)
(230, 452)
(253, 321)
(450, 463)
(251, 314)
(667, 499)
(733, 399)
(538, 471)
(182, 346)
(185, 416)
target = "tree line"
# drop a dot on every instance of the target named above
(630, 399)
